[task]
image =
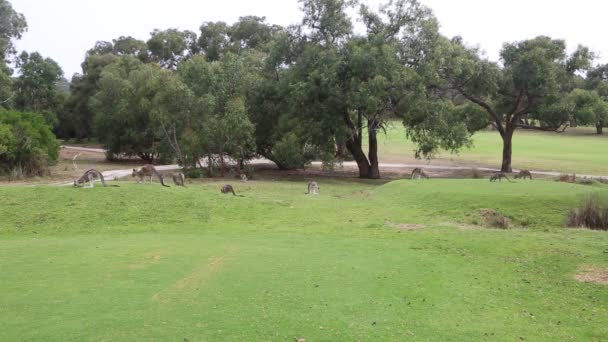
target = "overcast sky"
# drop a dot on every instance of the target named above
(65, 29)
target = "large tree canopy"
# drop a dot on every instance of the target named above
(36, 87)
(12, 26)
(531, 78)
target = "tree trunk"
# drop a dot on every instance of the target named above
(357, 151)
(600, 127)
(374, 171)
(507, 151)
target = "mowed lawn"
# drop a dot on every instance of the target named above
(363, 261)
(578, 150)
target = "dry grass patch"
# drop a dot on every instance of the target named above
(593, 275)
(405, 226)
(494, 219)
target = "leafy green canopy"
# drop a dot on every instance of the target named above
(27, 144)
(36, 88)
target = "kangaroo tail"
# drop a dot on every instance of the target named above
(161, 179)
(103, 181)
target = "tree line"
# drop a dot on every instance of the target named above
(317, 90)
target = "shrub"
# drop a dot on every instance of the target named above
(587, 181)
(494, 219)
(27, 144)
(567, 178)
(289, 153)
(193, 173)
(593, 214)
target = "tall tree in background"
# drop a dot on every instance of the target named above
(36, 87)
(170, 47)
(213, 39)
(78, 121)
(352, 85)
(532, 76)
(123, 109)
(12, 26)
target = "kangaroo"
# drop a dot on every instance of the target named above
(313, 188)
(244, 178)
(226, 189)
(523, 174)
(179, 179)
(419, 173)
(89, 177)
(499, 176)
(148, 171)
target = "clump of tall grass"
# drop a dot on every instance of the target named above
(593, 214)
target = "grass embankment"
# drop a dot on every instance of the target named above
(577, 151)
(141, 262)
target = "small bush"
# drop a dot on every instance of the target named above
(494, 219)
(587, 181)
(567, 178)
(193, 173)
(27, 145)
(593, 214)
(289, 153)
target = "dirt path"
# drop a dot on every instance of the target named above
(115, 174)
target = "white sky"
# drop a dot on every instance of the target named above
(65, 29)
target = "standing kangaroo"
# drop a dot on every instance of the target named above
(89, 177)
(313, 188)
(148, 171)
(179, 179)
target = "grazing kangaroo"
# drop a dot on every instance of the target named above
(313, 188)
(89, 177)
(148, 171)
(226, 189)
(523, 174)
(499, 176)
(419, 173)
(179, 179)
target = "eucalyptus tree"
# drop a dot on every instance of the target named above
(12, 27)
(352, 85)
(221, 125)
(532, 76)
(36, 87)
(124, 106)
(170, 47)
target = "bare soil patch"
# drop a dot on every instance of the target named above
(594, 275)
(405, 226)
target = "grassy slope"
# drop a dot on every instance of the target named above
(578, 151)
(141, 262)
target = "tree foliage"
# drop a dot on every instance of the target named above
(36, 87)
(27, 145)
(532, 77)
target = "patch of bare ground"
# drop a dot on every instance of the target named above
(196, 279)
(71, 165)
(405, 226)
(148, 260)
(594, 275)
(464, 226)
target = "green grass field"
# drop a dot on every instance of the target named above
(144, 263)
(579, 150)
